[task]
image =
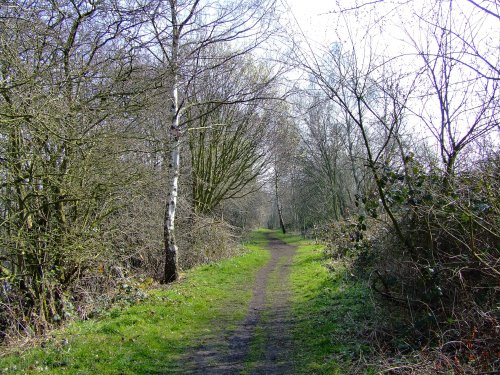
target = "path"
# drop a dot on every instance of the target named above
(262, 343)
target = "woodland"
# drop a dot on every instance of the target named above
(139, 139)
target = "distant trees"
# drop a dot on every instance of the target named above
(283, 148)
(373, 104)
(325, 157)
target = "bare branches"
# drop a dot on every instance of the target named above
(357, 7)
(484, 9)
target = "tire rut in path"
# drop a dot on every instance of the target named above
(269, 312)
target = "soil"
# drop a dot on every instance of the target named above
(262, 343)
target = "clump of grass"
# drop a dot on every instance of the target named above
(151, 337)
(333, 309)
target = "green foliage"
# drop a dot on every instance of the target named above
(345, 238)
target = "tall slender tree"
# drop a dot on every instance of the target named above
(181, 38)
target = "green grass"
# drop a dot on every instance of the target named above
(151, 337)
(331, 309)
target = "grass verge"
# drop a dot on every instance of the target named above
(151, 337)
(333, 311)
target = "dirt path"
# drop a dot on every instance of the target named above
(262, 343)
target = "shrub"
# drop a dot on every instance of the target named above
(448, 279)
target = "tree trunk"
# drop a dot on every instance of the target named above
(378, 183)
(171, 272)
(278, 203)
(450, 169)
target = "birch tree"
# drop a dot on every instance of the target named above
(181, 36)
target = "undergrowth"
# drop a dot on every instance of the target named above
(434, 320)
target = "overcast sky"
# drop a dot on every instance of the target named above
(313, 17)
(318, 19)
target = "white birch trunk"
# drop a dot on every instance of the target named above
(171, 272)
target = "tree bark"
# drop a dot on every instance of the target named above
(278, 202)
(171, 271)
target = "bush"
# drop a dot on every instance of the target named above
(204, 239)
(448, 280)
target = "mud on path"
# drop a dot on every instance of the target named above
(262, 343)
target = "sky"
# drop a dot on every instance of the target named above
(390, 28)
(313, 17)
(394, 23)
(318, 19)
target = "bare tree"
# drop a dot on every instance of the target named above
(63, 86)
(282, 146)
(374, 103)
(458, 84)
(226, 140)
(182, 34)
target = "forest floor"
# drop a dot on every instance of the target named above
(281, 308)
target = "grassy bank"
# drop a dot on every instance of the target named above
(332, 310)
(332, 314)
(150, 337)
